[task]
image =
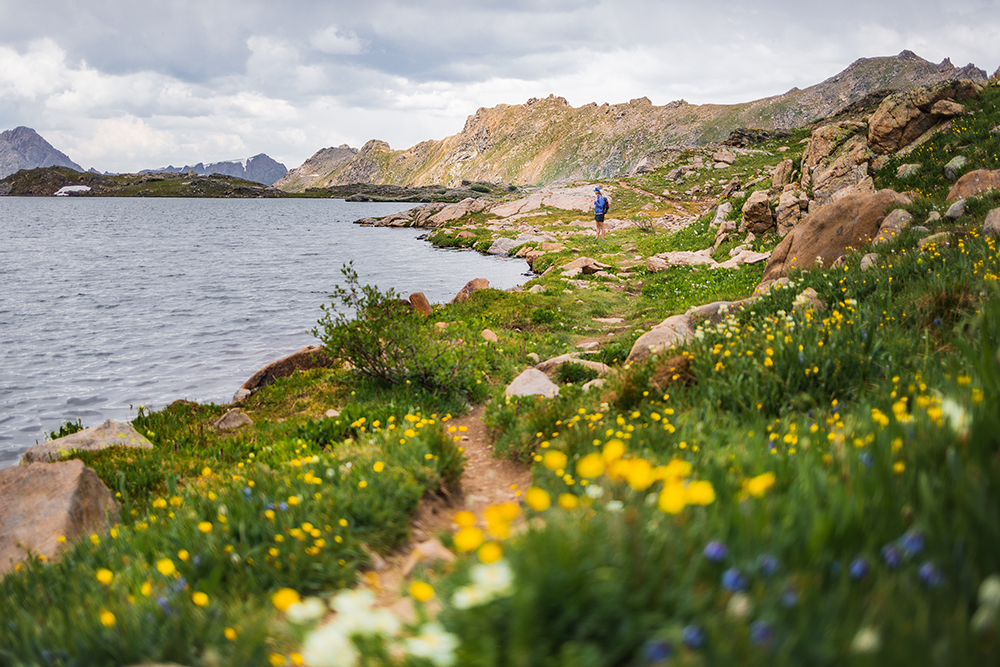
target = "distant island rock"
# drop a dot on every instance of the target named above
(23, 148)
(260, 169)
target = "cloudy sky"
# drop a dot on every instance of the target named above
(122, 86)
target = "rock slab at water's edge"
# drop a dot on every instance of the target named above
(109, 434)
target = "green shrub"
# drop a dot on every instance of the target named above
(575, 373)
(385, 341)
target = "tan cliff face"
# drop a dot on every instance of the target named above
(545, 140)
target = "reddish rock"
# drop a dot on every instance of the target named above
(757, 213)
(826, 234)
(303, 360)
(41, 502)
(470, 287)
(420, 303)
(974, 183)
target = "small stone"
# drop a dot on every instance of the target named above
(869, 260)
(956, 210)
(954, 166)
(532, 382)
(490, 336)
(332, 413)
(904, 171)
(420, 304)
(230, 421)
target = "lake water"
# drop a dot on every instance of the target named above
(108, 304)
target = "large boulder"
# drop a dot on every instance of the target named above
(782, 174)
(837, 157)
(109, 434)
(532, 382)
(470, 287)
(305, 359)
(456, 211)
(585, 265)
(671, 332)
(41, 502)
(757, 213)
(903, 117)
(975, 183)
(991, 226)
(823, 237)
(420, 304)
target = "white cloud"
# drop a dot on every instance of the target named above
(38, 72)
(334, 41)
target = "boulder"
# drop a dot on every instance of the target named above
(782, 174)
(956, 210)
(489, 335)
(757, 213)
(671, 332)
(724, 156)
(907, 170)
(869, 260)
(974, 183)
(939, 238)
(903, 117)
(456, 211)
(837, 157)
(824, 236)
(532, 382)
(732, 186)
(470, 287)
(893, 225)
(550, 365)
(109, 434)
(231, 421)
(991, 226)
(420, 304)
(665, 260)
(715, 312)
(584, 265)
(808, 299)
(721, 213)
(566, 199)
(954, 165)
(305, 359)
(41, 502)
(789, 212)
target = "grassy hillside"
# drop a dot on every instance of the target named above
(799, 485)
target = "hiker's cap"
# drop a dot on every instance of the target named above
(597, 189)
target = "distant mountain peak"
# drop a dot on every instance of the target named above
(23, 148)
(260, 168)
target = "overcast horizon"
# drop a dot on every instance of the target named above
(122, 87)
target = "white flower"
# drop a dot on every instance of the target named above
(615, 506)
(329, 647)
(866, 641)
(306, 611)
(989, 592)
(740, 606)
(353, 602)
(493, 579)
(467, 597)
(956, 415)
(434, 644)
(594, 491)
(369, 622)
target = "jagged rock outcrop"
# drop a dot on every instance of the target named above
(324, 161)
(546, 139)
(23, 148)
(837, 157)
(260, 168)
(903, 117)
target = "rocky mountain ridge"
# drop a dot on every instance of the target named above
(23, 148)
(547, 140)
(260, 168)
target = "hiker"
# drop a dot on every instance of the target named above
(601, 205)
